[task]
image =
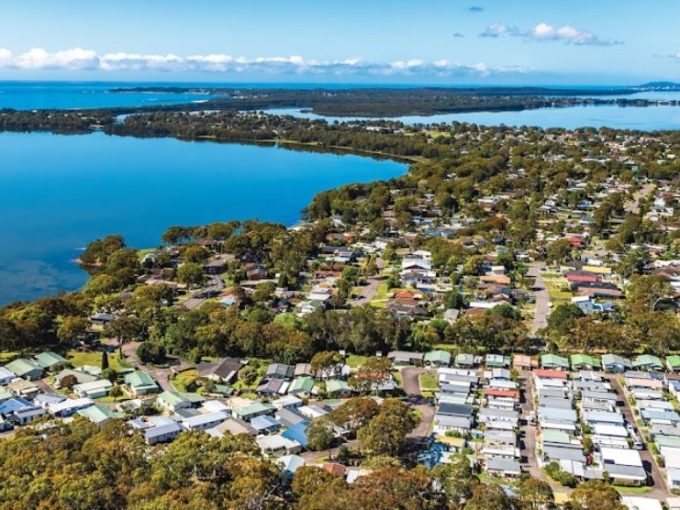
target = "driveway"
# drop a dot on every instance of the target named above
(410, 380)
(368, 291)
(659, 490)
(542, 309)
(213, 286)
(528, 430)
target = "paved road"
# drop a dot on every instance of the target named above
(410, 380)
(368, 291)
(658, 490)
(542, 310)
(213, 286)
(161, 375)
(528, 430)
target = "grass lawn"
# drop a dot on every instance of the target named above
(557, 295)
(94, 358)
(7, 356)
(632, 490)
(381, 296)
(428, 382)
(183, 379)
(355, 361)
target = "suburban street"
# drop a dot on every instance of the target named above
(528, 429)
(658, 490)
(213, 286)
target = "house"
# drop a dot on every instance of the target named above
(140, 383)
(224, 370)
(338, 388)
(496, 361)
(301, 386)
(673, 363)
(623, 465)
(289, 417)
(464, 360)
(272, 387)
(437, 358)
(451, 315)
(553, 361)
(174, 400)
(99, 414)
(162, 432)
(252, 410)
(22, 388)
(6, 376)
(69, 407)
(523, 362)
(80, 377)
(265, 424)
(503, 467)
(584, 361)
(279, 371)
(49, 360)
(287, 402)
(297, 433)
(93, 389)
(647, 362)
(25, 368)
(290, 463)
(204, 421)
(615, 363)
(405, 357)
(277, 444)
(232, 426)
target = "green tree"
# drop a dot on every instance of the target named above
(320, 434)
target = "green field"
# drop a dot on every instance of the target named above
(428, 382)
(355, 361)
(79, 358)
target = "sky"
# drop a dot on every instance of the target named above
(549, 42)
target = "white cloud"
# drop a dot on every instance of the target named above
(499, 29)
(80, 59)
(546, 32)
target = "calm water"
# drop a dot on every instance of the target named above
(57, 193)
(66, 96)
(649, 118)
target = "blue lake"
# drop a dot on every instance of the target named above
(649, 118)
(59, 192)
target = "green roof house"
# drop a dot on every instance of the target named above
(553, 361)
(437, 358)
(140, 383)
(584, 361)
(174, 400)
(647, 362)
(49, 360)
(99, 414)
(301, 386)
(464, 360)
(25, 368)
(251, 411)
(673, 363)
(337, 387)
(496, 361)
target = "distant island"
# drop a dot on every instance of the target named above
(393, 102)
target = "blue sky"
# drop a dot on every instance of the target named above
(350, 41)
